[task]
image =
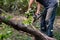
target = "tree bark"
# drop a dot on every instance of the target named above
(20, 27)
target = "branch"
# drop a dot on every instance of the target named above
(2, 10)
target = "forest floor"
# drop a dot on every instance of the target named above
(57, 23)
(18, 19)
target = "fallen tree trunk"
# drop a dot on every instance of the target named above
(20, 27)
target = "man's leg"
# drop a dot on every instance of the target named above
(42, 21)
(51, 12)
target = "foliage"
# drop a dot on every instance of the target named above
(5, 32)
(57, 35)
(58, 11)
(29, 15)
(12, 5)
(8, 33)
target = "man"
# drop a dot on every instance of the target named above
(47, 19)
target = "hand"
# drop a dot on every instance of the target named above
(37, 13)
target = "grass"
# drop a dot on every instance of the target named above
(8, 33)
(57, 35)
(58, 11)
